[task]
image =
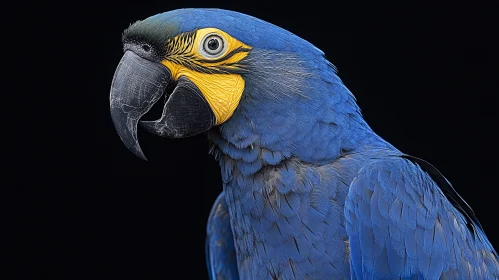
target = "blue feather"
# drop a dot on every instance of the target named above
(220, 250)
(430, 247)
(310, 191)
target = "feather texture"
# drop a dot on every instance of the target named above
(404, 227)
(310, 191)
(220, 252)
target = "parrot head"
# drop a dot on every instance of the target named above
(216, 68)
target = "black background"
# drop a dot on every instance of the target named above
(423, 75)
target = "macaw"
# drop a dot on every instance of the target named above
(310, 191)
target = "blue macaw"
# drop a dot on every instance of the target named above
(309, 190)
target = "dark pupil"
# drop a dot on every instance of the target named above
(213, 44)
(146, 48)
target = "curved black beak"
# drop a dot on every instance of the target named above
(137, 85)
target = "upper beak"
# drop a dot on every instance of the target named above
(137, 85)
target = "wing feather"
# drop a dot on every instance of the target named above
(220, 251)
(405, 221)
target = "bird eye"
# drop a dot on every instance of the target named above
(146, 48)
(213, 45)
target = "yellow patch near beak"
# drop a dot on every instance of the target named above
(222, 91)
(210, 59)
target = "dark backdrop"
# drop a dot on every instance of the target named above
(422, 74)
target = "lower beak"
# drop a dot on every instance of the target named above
(137, 85)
